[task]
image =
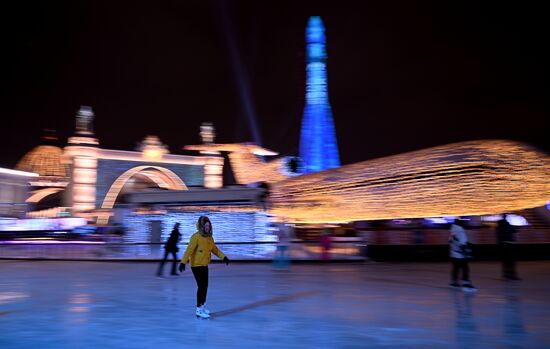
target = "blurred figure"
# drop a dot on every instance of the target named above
(460, 252)
(325, 242)
(506, 238)
(198, 252)
(171, 247)
(284, 235)
(419, 237)
(264, 195)
(118, 229)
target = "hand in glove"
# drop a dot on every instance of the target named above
(181, 267)
(226, 260)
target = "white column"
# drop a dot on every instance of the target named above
(213, 172)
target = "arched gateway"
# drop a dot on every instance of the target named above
(98, 176)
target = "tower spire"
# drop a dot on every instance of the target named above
(318, 147)
(84, 121)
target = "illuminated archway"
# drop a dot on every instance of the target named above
(38, 195)
(167, 179)
(161, 180)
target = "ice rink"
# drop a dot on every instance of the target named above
(47, 304)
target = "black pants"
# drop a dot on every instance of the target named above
(508, 259)
(201, 277)
(174, 264)
(460, 263)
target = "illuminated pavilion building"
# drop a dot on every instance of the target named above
(109, 186)
(88, 179)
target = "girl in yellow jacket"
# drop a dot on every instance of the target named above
(201, 245)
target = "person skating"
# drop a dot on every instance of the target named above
(284, 236)
(506, 244)
(171, 247)
(459, 253)
(325, 241)
(198, 253)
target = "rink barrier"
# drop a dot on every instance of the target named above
(351, 249)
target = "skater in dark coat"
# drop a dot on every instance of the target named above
(198, 254)
(506, 239)
(171, 247)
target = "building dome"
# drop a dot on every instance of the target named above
(46, 160)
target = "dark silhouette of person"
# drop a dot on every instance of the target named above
(264, 195)
(506, 237)
(325, 240)
(171, 247)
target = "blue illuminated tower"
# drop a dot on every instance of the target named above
(318, 147)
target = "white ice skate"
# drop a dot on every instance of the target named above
(201, 313)
(205, 310)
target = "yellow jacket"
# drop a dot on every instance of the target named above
(199, 250)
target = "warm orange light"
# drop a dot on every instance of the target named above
(469, 178)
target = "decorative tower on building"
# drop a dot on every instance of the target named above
(81, 156)
(213, 166)
(318, 147)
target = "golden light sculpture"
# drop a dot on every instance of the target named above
(461, 179)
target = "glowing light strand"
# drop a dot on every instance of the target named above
(470, 178)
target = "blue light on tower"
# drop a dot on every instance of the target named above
(318, 147)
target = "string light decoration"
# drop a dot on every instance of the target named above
(470, 178)
(239, 223)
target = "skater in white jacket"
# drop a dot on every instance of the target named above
(459, 252)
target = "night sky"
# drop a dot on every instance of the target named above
(402, 76)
